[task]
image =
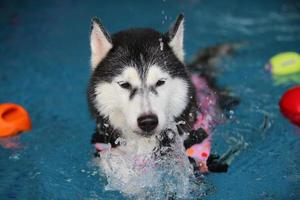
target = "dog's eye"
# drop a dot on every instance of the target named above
(159, 83)
(125, 85)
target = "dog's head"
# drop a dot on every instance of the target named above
(139, 81)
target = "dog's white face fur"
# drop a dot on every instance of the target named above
(156, 92)
(168, 101)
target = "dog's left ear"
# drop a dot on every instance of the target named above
(175, 35)
(100, 42)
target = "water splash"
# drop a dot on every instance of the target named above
(166, 174)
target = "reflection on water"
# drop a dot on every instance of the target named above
(287, 80)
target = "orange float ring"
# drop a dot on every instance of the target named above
(13, 119)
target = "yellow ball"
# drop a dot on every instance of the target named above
(285, 63)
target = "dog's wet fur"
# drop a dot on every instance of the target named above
(141, 72)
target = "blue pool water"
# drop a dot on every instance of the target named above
(44, 66)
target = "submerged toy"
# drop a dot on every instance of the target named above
(284, 63)
(13, 119)
(290, 105)
(200, 152)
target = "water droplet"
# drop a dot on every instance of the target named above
(180, 122)
(161, 44)
(106, 125)
(170, 134)
(14, 157)
(120, 141)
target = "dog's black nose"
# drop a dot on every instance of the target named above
(147, 122)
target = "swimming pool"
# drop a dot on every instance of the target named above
(44, 51)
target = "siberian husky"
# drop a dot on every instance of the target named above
(143, 100)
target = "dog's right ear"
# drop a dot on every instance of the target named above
(100, 42)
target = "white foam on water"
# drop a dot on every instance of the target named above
(141, 176)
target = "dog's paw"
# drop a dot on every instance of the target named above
(195, 137)
(214, 164)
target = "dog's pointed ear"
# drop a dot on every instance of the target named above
(175, 35)
(100, 42)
